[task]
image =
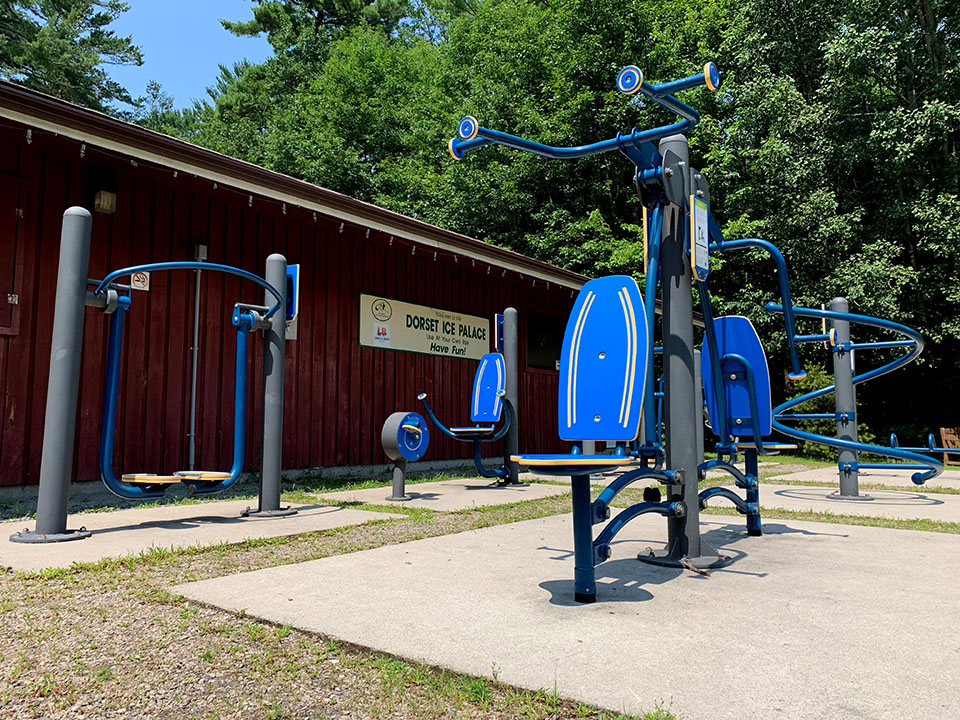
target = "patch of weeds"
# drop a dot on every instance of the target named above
(275, 711)
(160, 596)
(922, 525)
(103, 674)
(256, 633)
(208, 655)
(283, 631)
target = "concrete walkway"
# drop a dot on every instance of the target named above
(811, 621)
(449, 495)
(130, 532)
(885, 503)
(895, 478)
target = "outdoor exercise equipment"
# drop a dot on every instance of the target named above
(603, 373)
(114, 299)
(836, 334)
(487, 403)
(495, 391)
(680, 233)
(405, 438)
(668, 188)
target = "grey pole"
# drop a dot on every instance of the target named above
(59, 425)
(511, 355)
(846, 405)
(681, 410)
(274, 351)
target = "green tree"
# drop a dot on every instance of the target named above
(59, 46)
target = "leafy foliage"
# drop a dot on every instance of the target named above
(58, 47)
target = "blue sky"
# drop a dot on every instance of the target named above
(183, 43)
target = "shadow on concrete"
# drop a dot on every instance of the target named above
(880, 497)
(192, 523)
(629, 580)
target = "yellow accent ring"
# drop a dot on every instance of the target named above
(453, 154)
(707, 75)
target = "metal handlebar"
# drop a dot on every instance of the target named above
(192, 265)
(630, 81)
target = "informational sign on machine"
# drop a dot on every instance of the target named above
(390, 324)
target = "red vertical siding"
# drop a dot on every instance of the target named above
(338, 394)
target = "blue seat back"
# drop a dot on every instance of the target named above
(603, 362)
(488, 385)
(737, 336)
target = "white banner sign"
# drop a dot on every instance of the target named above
(394, 325)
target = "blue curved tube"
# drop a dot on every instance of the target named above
(784, 285)
(660, 94)
(501, 472)
(667, 509)
(933, 467)
(741, 480)
(742, 506)
(486, 136)
(189, 265)
(109, 423)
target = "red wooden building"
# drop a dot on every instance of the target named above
(172, 196)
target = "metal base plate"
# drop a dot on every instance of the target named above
(29, 536)
(280, 512)
(709, 558)
(400, 498)
(835, 495)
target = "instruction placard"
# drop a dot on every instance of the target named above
(389, 324)
(699, 237)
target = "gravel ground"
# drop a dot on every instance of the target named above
(109, 641)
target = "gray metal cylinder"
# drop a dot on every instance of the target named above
(846, 402)
(511, 355)
(682, 408)
(274, 351)
(59, 425)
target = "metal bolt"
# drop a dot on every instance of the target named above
(739, 421)
(699, 193)
(668, 172)
(698, 177)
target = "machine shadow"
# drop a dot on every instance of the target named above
(630, 580)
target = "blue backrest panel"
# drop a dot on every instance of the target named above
(737, 336)
(603, 362)
(488, 384)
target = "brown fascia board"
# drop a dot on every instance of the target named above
(44, 112)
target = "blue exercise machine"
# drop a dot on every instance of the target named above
(611, 326)
(487, 403)
(113, 298)
(245, 318)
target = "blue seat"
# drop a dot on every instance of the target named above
(603, 366)
(487, 403)
(736, 386)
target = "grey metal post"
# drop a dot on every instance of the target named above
(59, 425)
(195, 351)
(274, 351)
(681, 410)
(846, 405)
(399, 488)
(511, 355)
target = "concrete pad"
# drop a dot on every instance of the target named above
(130, 532)
(898, 478)
(811, 621)
(885, 503)
(449, 495)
